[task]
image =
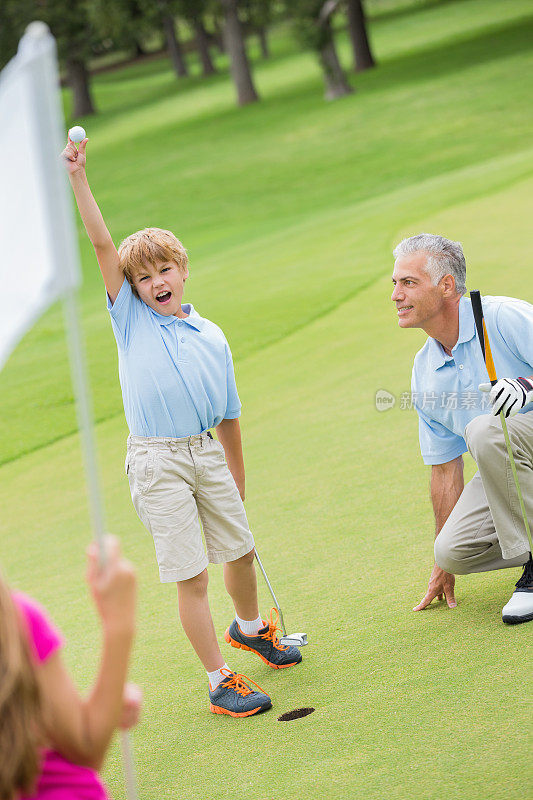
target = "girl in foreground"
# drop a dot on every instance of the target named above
(53, 741)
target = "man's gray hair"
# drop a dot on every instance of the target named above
(444, 257)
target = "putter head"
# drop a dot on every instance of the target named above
(294, 639)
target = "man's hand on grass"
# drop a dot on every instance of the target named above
(441, 585)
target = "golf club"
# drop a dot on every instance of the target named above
(295, 639)
(477, 309)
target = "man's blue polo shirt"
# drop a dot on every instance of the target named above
(445, 388)
(176, 374)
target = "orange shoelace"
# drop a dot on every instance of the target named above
(237, 682)
(273, 628)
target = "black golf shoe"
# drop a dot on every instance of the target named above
(264, 643)
(520, 606)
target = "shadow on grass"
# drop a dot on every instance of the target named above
(129, 99)
(452, 56)
(499, 41)
(449, 57)
(408, 10)
(158, 66)
(424, 65)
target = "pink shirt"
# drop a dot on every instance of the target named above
(59, 779)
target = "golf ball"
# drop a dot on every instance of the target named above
(76, 134)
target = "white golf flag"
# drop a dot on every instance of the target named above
(39, 258)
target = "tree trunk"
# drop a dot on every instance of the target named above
(138, 50)
(202, 44)
(263, 41)
(363, 57)
(78, 80)
(135, 15)
(174, 47)
(219, 36)
(334, 78)
(235, 47)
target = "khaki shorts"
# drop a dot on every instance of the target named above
(175, 484)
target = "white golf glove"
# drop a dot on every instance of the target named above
(509, 395)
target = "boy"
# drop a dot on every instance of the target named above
(177, 380)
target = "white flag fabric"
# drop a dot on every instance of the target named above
(39, 258)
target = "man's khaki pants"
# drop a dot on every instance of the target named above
(486, 529)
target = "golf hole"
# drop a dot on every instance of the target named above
(296, 714)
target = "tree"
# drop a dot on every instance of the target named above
(136, 24)
(126, 24)
(70, 23)
(363, 57)
(157, 17)
(334, 78)
(15, 16)
(194, 12)
(76, 38)
(263, 41)
(202, 45)
(313, 25)
(218, 28)
(236, 49)
(78, 80)
(258, 16)
(173, 43)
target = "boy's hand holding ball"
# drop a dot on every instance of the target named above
(73, 156)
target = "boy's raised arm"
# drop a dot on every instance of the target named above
(105, 250)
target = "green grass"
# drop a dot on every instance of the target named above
(235, 183)
(289, 210)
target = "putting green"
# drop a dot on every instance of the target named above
(424, 706)
(337, 497)
(255, 193)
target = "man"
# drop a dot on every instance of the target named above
(479, 526)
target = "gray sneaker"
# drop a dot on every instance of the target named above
(234, 697)
(265, 644)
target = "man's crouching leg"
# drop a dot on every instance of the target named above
(468, 541)
(486, 442)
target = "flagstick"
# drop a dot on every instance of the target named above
(129, 765)
(48, 115)
(85, 424)
(85, 419)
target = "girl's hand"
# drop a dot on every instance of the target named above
(74, 157)
(131, 706)
(113, 587)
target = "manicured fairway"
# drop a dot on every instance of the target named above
(290, 210)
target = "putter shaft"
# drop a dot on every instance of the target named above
(265, 576)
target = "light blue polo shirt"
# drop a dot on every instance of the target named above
(445, 388)
(176, 375)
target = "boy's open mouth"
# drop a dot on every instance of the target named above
(163, 297)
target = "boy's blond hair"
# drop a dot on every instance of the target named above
(152, 246)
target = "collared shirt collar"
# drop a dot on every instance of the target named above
(193, 319)
(466, 332)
